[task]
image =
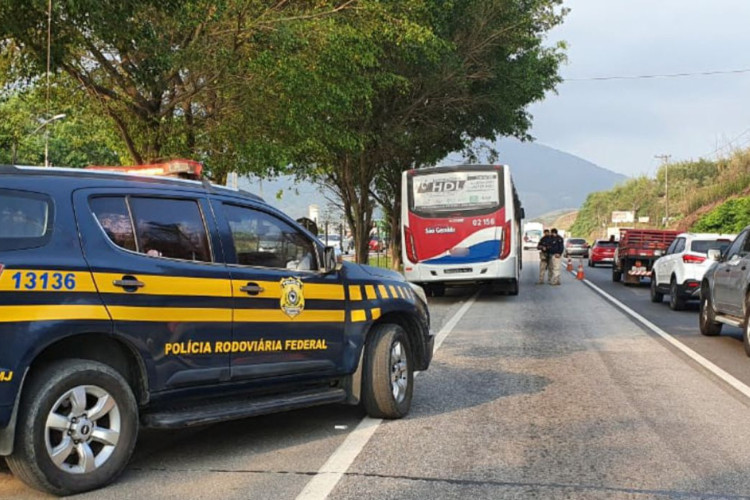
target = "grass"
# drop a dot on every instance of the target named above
(380, 260)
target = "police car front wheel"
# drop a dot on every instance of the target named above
(388, 373)
(77, 427)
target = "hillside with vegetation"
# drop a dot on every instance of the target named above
(703, 195)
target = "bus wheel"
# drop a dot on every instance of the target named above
(438, 289)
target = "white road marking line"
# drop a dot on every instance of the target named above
(708, 365)
(326, 479)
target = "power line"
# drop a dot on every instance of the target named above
(666, 75)
(730, 143)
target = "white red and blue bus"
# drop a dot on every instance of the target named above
(461, 225)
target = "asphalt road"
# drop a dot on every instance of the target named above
(726, 351)
(554, 393)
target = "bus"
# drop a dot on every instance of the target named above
(461, 225)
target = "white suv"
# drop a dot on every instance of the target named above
(679, 272)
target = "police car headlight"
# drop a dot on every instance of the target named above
(419, 291)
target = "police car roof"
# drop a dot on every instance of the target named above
(124, 176)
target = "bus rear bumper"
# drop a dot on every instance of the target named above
(475, 272)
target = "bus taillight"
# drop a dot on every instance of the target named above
(505, 247)
(411, 249)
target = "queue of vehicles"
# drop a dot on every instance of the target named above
(709, 267)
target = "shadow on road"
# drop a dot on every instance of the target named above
(447, 388)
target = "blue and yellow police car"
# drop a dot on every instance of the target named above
(130, 301)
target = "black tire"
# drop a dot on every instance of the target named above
(513, 290)
(51, 391)
(676, 303)
(438, 289)
(706, 318)
(656, 295)
(380, 369)
(616, 275)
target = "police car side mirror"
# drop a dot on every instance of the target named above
(329, 260)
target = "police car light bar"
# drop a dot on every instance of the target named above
(181, 168)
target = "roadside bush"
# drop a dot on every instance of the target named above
(729, 217)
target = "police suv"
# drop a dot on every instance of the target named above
(130, 301)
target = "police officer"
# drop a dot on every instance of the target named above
(555, 249)
(544, 257)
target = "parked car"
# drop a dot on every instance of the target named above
(725, 289)
(680, 270)
(576, 247)
(376, 244)
(602, 252)
(129, 302)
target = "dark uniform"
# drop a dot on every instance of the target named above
(555, 249)
(544, 257)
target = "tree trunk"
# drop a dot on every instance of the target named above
(394, 221)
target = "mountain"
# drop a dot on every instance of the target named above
(547, 180)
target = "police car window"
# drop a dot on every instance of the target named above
(170, 228)
(24, 219)
(114, 217)
(263, 240)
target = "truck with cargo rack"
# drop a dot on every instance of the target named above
(637, 252)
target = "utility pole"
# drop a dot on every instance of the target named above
(665, 162)
(49, 46)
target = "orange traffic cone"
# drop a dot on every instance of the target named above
(569, 267)
(579, 275)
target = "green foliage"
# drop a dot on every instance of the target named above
(83, 137)
(692, 184)
(640, 195)
(729, 217)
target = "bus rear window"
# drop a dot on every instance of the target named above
(24, 219)
(451, 192)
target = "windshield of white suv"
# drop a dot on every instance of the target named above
(703, 246)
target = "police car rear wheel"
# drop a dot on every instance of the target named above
(77, 427)
(388, 373)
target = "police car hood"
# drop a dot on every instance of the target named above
(377, 272)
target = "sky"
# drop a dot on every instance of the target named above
(622, 125)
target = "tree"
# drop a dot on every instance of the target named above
(82, 138)
(166, 73)
(477, 84)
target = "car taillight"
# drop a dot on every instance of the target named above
(693, 259)
(505, 248)
(411, 249)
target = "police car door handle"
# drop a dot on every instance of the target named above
(128, 282)
(252, 289)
